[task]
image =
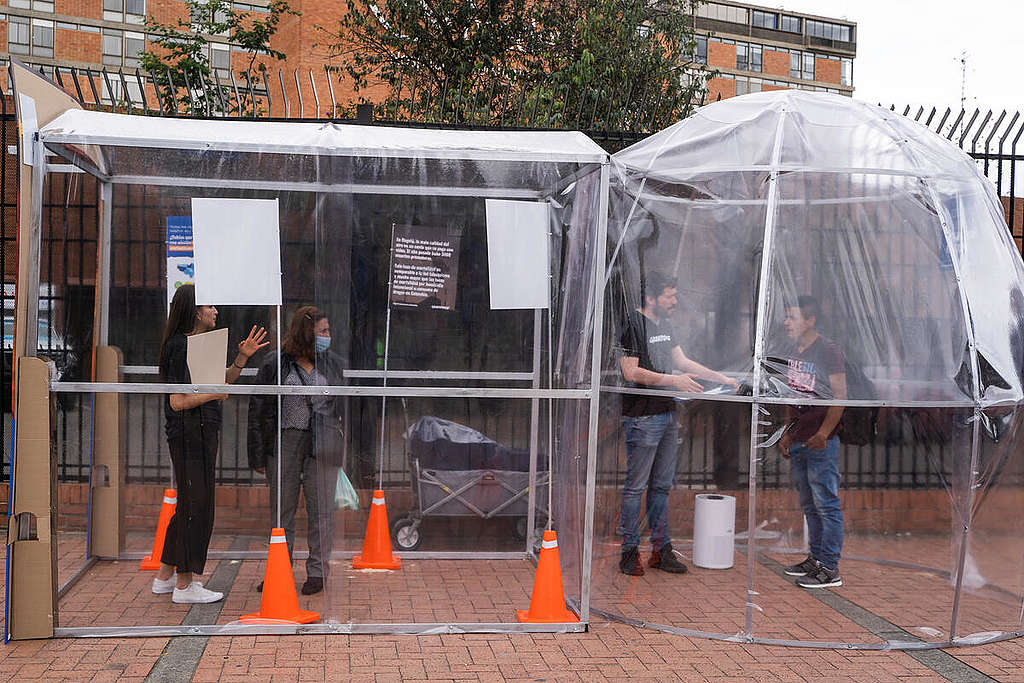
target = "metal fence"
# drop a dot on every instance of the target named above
(608, 114)
(69, 250)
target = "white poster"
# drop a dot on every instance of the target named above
(29, 128)
(517, 254)
(238, 252)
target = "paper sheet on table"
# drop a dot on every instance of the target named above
(207, 356)
(517, 253)
(237, 246)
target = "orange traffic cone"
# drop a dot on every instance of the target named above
(151, 562)
(377, 544)
(279, 603)
(547, 605)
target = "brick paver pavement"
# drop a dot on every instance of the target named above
(609, 651)
(116, 593)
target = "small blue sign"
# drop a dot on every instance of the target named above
(179, 236)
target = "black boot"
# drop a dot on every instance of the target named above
(630, 562)
(665, 560)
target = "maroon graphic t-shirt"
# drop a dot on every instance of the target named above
(808, 371)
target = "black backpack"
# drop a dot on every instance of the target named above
(860, 424)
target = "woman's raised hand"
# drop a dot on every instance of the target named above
(254, 342)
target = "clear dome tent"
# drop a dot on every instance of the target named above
(457, 271)
(747, 206)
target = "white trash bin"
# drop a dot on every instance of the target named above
(714, 531)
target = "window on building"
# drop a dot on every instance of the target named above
(116, 94)
(219, 16)
(220, 60)
(700, 50)
(122, 48)
(43, 5)
(755, 85)
(847, 77)
(128, 11)
(19, 37)
(42, 38)
(20, 4)
(113, 47)
(790, 24)
(764, 19)
(748, 57)
(801, 65)
(134, 43)
(742, 85)
(713, 10)
(828, 30)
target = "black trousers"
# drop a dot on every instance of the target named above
(194, 456)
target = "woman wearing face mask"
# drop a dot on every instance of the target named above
(310, 437)
(193, 432)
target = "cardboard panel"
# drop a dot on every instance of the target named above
(106, 524)
(32, 587)
(48, 102)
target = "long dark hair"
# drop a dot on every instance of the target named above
(181, 319)
(298, 341)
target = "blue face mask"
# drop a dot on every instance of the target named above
(322, 343)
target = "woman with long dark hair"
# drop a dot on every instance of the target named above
(193, 434)
(311, 437)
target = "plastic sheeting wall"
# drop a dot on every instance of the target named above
(748, 205)
(495, 374)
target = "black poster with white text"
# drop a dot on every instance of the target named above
(424, 266)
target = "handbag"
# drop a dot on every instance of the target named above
(344, 494)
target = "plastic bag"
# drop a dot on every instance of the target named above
(344, 494)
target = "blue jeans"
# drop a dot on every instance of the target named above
(651, 456)
(816, 478)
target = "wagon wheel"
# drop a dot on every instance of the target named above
(519, 526)
(406, 533)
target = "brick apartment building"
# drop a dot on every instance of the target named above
(111, 33)
(752, 47)
(755, 48)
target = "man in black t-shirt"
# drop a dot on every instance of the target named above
(649, 354)
(815, 366)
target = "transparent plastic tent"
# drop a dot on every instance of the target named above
(470, 414)
(749, 204)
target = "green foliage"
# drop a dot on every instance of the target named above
(180, 64)
(568, 63)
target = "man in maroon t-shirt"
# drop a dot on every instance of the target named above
(816, 367)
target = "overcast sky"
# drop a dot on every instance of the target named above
(908, 51)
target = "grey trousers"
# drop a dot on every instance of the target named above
(299, 469)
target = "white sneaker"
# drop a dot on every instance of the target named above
(163, 587)
(195, 593)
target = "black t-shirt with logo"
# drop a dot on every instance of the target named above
(808, 372)
(650, 341)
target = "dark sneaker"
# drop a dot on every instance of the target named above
(665, 560)
(313, 585)
(802, 568)
(630, 562)
(259, 588)
(821, 577)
